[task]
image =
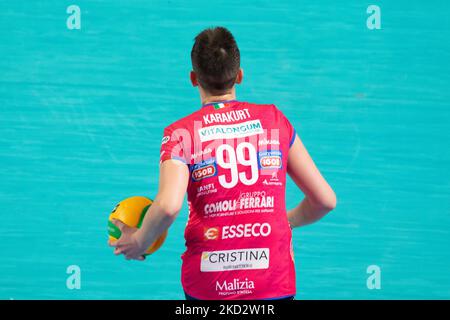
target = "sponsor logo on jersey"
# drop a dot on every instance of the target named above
(206, 189)
(201, 153)
(265, 142)
(249, 230)
(231, 116)
(231, 131)
(235, 286)
(211, 233)
(272, 183)
(238, 259)
(204, 169)
(165, 139)
(270, 159)
(250, 194)
(246, 230)
(241, 204)
(220, 206)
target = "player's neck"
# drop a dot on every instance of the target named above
(207, 98)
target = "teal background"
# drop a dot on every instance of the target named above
(82, 114)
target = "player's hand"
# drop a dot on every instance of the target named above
(127, 244)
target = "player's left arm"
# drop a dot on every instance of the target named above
(173, 182)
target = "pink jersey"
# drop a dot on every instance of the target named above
(238, 239)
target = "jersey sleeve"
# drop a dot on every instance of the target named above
(172, 146)
(287, 125)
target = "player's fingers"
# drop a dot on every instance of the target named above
(112, 243)
(119, 224)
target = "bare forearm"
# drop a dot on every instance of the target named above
(306, 213)
(173, 181)
(156, 221)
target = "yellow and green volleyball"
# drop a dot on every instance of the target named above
(131, 212)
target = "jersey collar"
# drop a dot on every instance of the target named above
(218, 104)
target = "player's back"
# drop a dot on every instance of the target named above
(237, 237)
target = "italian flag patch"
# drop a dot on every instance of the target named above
(218, 105)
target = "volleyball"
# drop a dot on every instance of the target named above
(131, 212)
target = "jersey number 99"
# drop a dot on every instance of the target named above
(236, 157)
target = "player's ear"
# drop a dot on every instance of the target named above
(240, 76)
(193, 77)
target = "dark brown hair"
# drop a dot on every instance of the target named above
(215, 59)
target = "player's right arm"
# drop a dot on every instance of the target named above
(173, 181)
(319, 196)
